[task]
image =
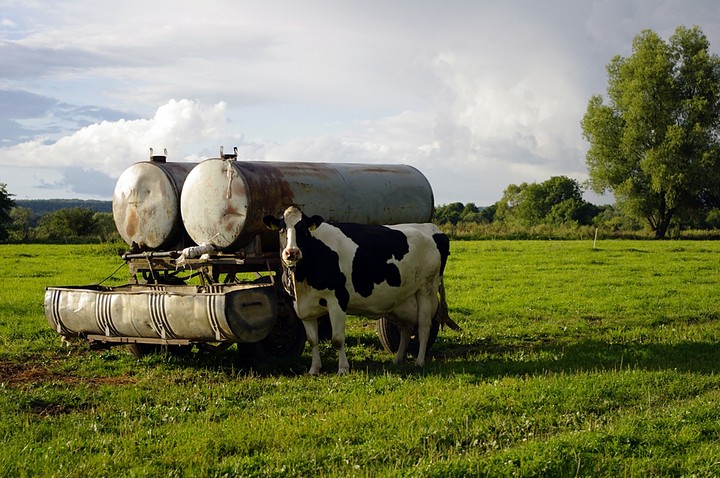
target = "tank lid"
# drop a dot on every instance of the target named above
(229, 155)
(158, 158)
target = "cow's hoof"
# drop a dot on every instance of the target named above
(314, 371)
(343, 370)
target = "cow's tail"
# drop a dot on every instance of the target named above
(442, 315)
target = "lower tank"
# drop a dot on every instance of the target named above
(224, 201)
(218, 313)
(146, 204)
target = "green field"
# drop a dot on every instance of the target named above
(572, 361)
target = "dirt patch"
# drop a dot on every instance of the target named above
(19, 374)
(49, 409)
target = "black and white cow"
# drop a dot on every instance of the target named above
(373, 271)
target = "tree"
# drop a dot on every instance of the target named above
(655, 144)
(65, 223)
(21, 224)
(104, 226)
(6, 204)
(555, 201)
(451, 213)
(612, 219)
(472, 214)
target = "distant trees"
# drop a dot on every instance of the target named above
(66, 223)
(456, 212)
(655, 143)
(63, 225)
(104, 226)
(6, 204)
(557, 201)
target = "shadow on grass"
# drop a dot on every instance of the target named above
(490, 358)
(486, 358)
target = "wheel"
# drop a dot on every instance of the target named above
(390, 336)
(287, 338)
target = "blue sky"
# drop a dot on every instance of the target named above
(476, 94)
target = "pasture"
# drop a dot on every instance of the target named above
(572, 361)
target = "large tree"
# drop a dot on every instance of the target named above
(656, 142)
(6, 204)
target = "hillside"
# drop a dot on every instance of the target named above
(42, 206)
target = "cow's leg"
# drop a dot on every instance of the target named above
(337, 321)
(426, 309)
(313, 338)
(405, 331)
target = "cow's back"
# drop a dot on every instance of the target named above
(385, 265)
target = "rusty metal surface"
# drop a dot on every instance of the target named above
(221, 313)
(223, 201)
(146, 203)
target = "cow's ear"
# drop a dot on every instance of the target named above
(272, 223)
(314, 222)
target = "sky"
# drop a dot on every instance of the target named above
(475, 94)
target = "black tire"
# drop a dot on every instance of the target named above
(286, 340)
(286, 345)
(390, 336)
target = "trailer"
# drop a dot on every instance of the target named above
(203, 269)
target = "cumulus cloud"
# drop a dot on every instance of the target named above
(517, 116)
(110, 146)
(476, 94)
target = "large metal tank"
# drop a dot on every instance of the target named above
(224, 200)
(223, 312)
(146, 203)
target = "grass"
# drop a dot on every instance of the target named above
(572, 361)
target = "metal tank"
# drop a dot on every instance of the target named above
(223, 201)
(146, 203)
(221, 312)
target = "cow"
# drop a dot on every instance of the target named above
(368, 270)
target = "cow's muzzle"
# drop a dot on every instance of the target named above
(291, 256)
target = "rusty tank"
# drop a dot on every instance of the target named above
(203, 269)
(146, 203)
(224, 200)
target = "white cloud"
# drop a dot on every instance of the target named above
(110, 147)
(476, 94)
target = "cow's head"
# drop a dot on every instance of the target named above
(294, 228)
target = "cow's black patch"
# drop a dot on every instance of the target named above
(376, 246)
(442, 242)
(320, 266)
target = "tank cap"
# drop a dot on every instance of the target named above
(228, 156)
(158, 159)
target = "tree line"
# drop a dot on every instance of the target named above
(525, 210)
(67, 224)
(556, 204)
